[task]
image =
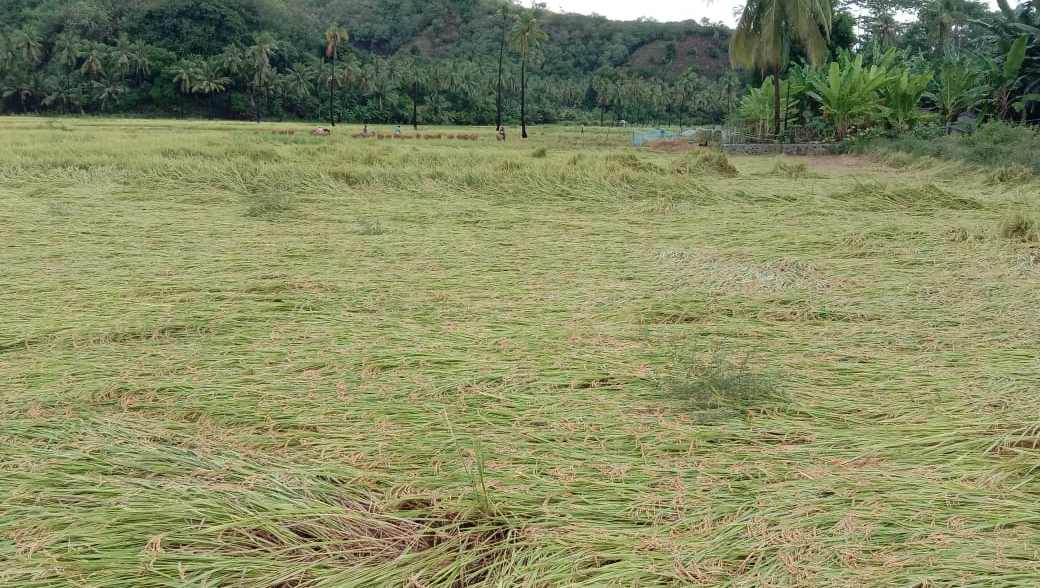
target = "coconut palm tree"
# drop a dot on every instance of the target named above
(379, 80)
(259, 53)
(299, 85)
(333, 37)
(59, 93)
(67, 53)
(232, 60)
(28, 43)
(766, 30)
(7, 54)
(342, 76)
(209, 79)
(109, 91)
(689, 82)
(884, 28)
(123, 59)
(93, 66)
(525, 36)
(184, 75)
(28, 86)
(416, 75)
(142, 65)
(944, 16)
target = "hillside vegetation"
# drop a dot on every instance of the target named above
(271, 58)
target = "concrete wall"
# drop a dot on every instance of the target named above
(787, 149)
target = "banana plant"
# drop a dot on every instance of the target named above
(901, 95)
(758, 107)
(1004, 77)
(849, 92)
(957, 89)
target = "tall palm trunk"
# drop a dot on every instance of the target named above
(523, 97)
(415, 104)
(498, 106)
(332, 88)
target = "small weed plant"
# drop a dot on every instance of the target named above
(794, 171)
(368, 226)
(269, 205)
(722, 389)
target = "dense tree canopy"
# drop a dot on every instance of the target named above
(359, 60)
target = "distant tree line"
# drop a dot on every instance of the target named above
(429, 62)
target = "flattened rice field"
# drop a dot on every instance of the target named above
(236, 358)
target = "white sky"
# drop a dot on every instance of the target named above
(662, 10)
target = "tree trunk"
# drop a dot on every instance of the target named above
(498, 105)
(776, 99)
(523, 97)
(787, 108)
(65, 98)
(415, 105)
(682, 106)
(332, 88)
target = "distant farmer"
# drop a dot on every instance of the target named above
(364, 131)
(582, 129)
(502, 134)
(397, 130)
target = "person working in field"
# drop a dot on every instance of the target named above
(502, 134)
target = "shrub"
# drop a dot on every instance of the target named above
(994, 144)
(927, 131)
(1000, 133)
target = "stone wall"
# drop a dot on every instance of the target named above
(786, 149)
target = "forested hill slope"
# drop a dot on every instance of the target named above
(435, 60)
(577, 43)
(443, 29)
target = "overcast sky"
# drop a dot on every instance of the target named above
(662, 10)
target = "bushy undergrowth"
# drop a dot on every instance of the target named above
(995, 145)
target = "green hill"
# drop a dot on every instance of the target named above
(437, 59)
